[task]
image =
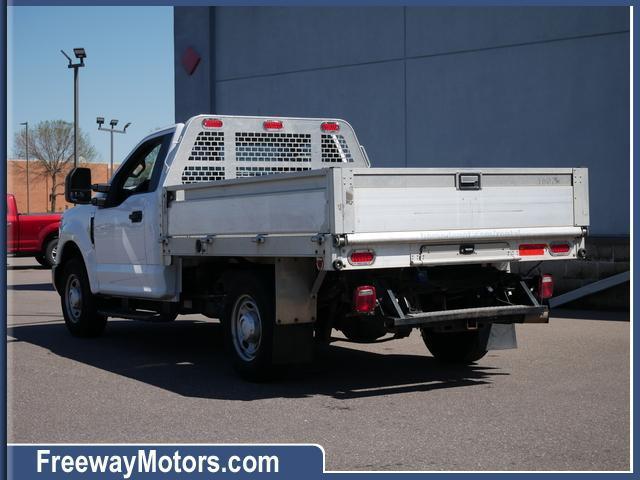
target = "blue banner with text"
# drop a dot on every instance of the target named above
(130, 462)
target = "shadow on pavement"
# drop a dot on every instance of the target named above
(609, 315)
(187, 358)
(26, 267)
(40, 287)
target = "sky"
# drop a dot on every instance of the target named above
(128, 74)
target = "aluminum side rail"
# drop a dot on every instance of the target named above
(479, 235)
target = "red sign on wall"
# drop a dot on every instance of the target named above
(190, 60)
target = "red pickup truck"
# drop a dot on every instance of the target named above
(32, 235)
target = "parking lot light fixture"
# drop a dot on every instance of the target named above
(112, 130)
(80, 55)
(26, 143)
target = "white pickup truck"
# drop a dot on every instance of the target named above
(280, 228)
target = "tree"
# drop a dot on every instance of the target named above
(51, 147)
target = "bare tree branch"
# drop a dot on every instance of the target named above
(51, 145)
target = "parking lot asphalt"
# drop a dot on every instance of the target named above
(558, 402)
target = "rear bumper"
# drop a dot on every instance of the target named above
(532, 312)
(523, 314)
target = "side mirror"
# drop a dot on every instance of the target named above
(77, 186)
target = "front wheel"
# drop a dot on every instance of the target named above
(457, 347)
(78, 303)
(248, 326)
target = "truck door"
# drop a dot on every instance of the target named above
(121, 226)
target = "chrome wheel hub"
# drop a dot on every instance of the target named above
(74, 298)
(246, 328)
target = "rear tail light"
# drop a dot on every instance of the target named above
(545, 288)
(528, 249)
(212, 123)
(330, 127)
(364, 299)
(272, 125)
(362, 257)
(559, 249)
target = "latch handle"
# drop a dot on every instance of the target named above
(469, 181)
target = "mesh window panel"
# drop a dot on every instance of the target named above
(209, 146)
(273, 147)
(202, 173)
(258, 171)
(335, 149)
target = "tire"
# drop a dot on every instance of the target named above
(42, 261)
(167, 317)
(459, 347)
(50, 250)
(248, 324)
(323, 326)
(363, 330)
(78, 303)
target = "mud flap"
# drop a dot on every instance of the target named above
(292, 344)
(502, 337)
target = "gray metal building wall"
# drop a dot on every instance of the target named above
(431, 86)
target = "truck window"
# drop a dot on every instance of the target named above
(141, 172)
(139, 177)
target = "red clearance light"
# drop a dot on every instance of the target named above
(527, 249)
(545, 289)
(212, 123)
(559, 248)
(272, 125)
(362, 257)
(364, 299)
(330, 127)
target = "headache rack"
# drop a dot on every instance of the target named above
(219, 147)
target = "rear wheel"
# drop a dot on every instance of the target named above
(457, 347)
(248, 326)
(41, 260)
(50, 251)
(363, 329)
(78, 303)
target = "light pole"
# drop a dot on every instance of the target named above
(112, 130)
(26, 134)
(80, 55)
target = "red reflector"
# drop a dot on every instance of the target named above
(362, 257)
(272, 125)
(364, 299)
(212, 123)
(330, 127)
(546, 286)
(559, 248)
(532, 249)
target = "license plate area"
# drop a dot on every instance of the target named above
(463, 253)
